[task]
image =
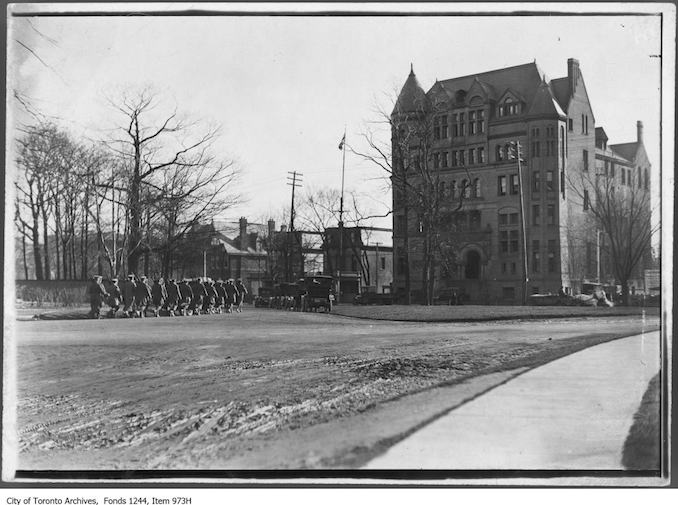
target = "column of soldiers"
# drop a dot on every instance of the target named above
(137, 296)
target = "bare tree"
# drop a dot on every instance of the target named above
(408, 162)
(622, 213)
(151, 144)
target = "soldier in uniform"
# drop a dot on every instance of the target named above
(221, 296)
(231, 293)
(173, 297)
(241, 291)
(199, 294)
(114, 297)
(128, 293)
(158, 295)
(142, 296)
(210, 297)
(96, 293)
(186, 299)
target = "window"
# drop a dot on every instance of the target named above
(535, 150)
(462, 158)
(549, 181)
(513, 268)
(551, 148)
(503, 219)
(441, 189)
(476, 188)
(504, 241)
(535, 256)
(647, 179)
(503, 268)
(383, 263)
(513, 234)
(481, 155)
(536, 181)
(471, 156)
(623, 176)
(587, 202)
(501, 185)
(465, 188)
(607, 167)
(570, 124)
(436, 160)
(514, 184)
(499, 154)
(582, 123)
(535, 132)
(586, 130)
(480, 121)
(455, 158)
(475, 219)
(562, 142)
(513, 218)
(612, 169)
(535, 215)
(586, 160)
(472, 122)
(562, 182)
(550, 214)
(443, 126)
(551, 256)
(640, 179)
(444, 158)
(453, 189)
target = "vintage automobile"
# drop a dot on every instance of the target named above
(265, 297)
(316, 291)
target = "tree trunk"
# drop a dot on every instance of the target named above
(45, 230)
(37, 254)
(625, 292)
(84, 242)
(23, 248)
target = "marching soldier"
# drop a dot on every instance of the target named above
(142, 296)
(231, 293)
(128, 293)
(159, 295)
(114, 297)
(210, 297)
(240, 294)
(96, 293)
(186, 299)
(199, 294)
(221, 295)
(173, 297)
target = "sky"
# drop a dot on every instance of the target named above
(284, 89)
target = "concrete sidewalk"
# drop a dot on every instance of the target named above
(573, 413)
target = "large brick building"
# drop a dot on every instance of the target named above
(475, 122)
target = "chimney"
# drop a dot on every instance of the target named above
(639, 126)
(271, 227)
(572, 73)
(243, 233)
(283, 228)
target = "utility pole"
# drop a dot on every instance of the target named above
(517, 152)
(341, 213)
(598, 256)
(296, 182)
(376, 271)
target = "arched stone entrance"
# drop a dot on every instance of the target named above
(472, 267)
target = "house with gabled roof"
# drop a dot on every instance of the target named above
(476, 120)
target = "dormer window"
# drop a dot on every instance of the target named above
(509, 108)
(460, 96)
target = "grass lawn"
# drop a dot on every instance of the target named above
(642, 447)
(462, 313)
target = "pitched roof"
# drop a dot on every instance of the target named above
(561, 90)
(412, 97)
(523, 79)
(600, 133)
(544, 103)
(627, 150)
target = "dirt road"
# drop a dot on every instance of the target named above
(261, 389)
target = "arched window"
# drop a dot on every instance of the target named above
(476, 188)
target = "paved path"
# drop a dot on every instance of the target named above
(573, 413)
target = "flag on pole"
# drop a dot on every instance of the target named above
(341, 144)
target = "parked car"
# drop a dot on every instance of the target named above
(316, 291)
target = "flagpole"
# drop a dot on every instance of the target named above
(341, 214)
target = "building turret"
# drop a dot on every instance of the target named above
(639, 127)
(412, 97)
(544, 103)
